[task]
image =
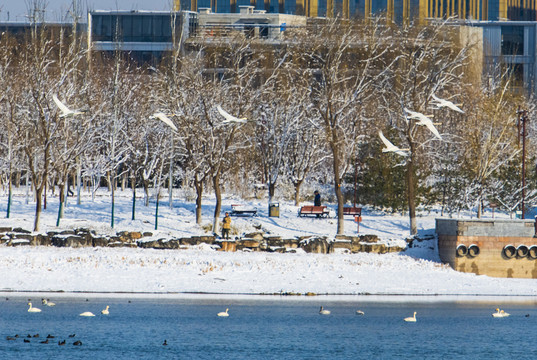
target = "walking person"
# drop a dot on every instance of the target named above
(317, 199)
(226, 226)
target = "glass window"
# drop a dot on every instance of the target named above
(512, 40)
(137, 22)
(102, 30)
(166, 28)
(126, 28)
(157, 28)
(147, 27)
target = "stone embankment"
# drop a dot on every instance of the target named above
(248, 242)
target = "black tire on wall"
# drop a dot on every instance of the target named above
(522, 251)
(462, 250)
(509, 251)
(532, 252)
(473, 250)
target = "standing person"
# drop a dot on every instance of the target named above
(317, 199)
(226, 226)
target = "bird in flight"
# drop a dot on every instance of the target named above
(162, 117)
(64, 109)
(230, 118)
(391, 147)
(423, 120)
(446, 103)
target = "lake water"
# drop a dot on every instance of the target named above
(266, 328)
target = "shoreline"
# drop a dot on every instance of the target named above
(369, 298)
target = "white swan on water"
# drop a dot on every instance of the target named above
(87, 313)
(324, 312)
(500, 314)
(47, 303)
(223, 313)
(105, 311)
(32, 309)
(359, 312)
(411, 318)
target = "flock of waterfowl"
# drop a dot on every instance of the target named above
(322, 311)
(28, 338)
(47, 302)
(498, 314)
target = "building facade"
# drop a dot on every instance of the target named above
(510, 46)
(396, 10)
(144, 35)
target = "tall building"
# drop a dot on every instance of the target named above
(396, 10)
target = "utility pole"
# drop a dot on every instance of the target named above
(522, 119)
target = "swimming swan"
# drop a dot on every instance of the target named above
(411, 318)
(324, 312)
(223, 313)
(359, 312)
(47, 303)
(87, 313)
(32, 309)
(105, 311)
(500, 314)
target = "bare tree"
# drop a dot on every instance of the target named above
(345, 61)
(429, 61)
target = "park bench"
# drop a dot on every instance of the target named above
(306, 210)
(354, 211)
(243, 210)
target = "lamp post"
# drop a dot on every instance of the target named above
(522, 119)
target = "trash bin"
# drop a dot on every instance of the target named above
(274, 210)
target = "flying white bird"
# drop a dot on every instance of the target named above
(423, 120)
(228, 117)
(162, 117)
(446, 103)
(65, 110)
(391, 147)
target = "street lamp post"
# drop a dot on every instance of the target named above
(522, 119)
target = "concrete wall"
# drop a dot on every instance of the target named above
(491, 236)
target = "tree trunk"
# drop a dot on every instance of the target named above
(38, 206)
(198, 184)
(480, 203)
(61, 196)
(411, 195)
(133, 185)
(113, 202)
(18, 176)
(78, 182)
(109, 181)
(9, 186)
(218, 205)
(271, 189)
(146, 192)
(297, 185)
(337, 187)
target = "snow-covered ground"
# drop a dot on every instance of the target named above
(202, 269)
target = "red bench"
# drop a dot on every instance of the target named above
(313, 210)
(355, 211)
